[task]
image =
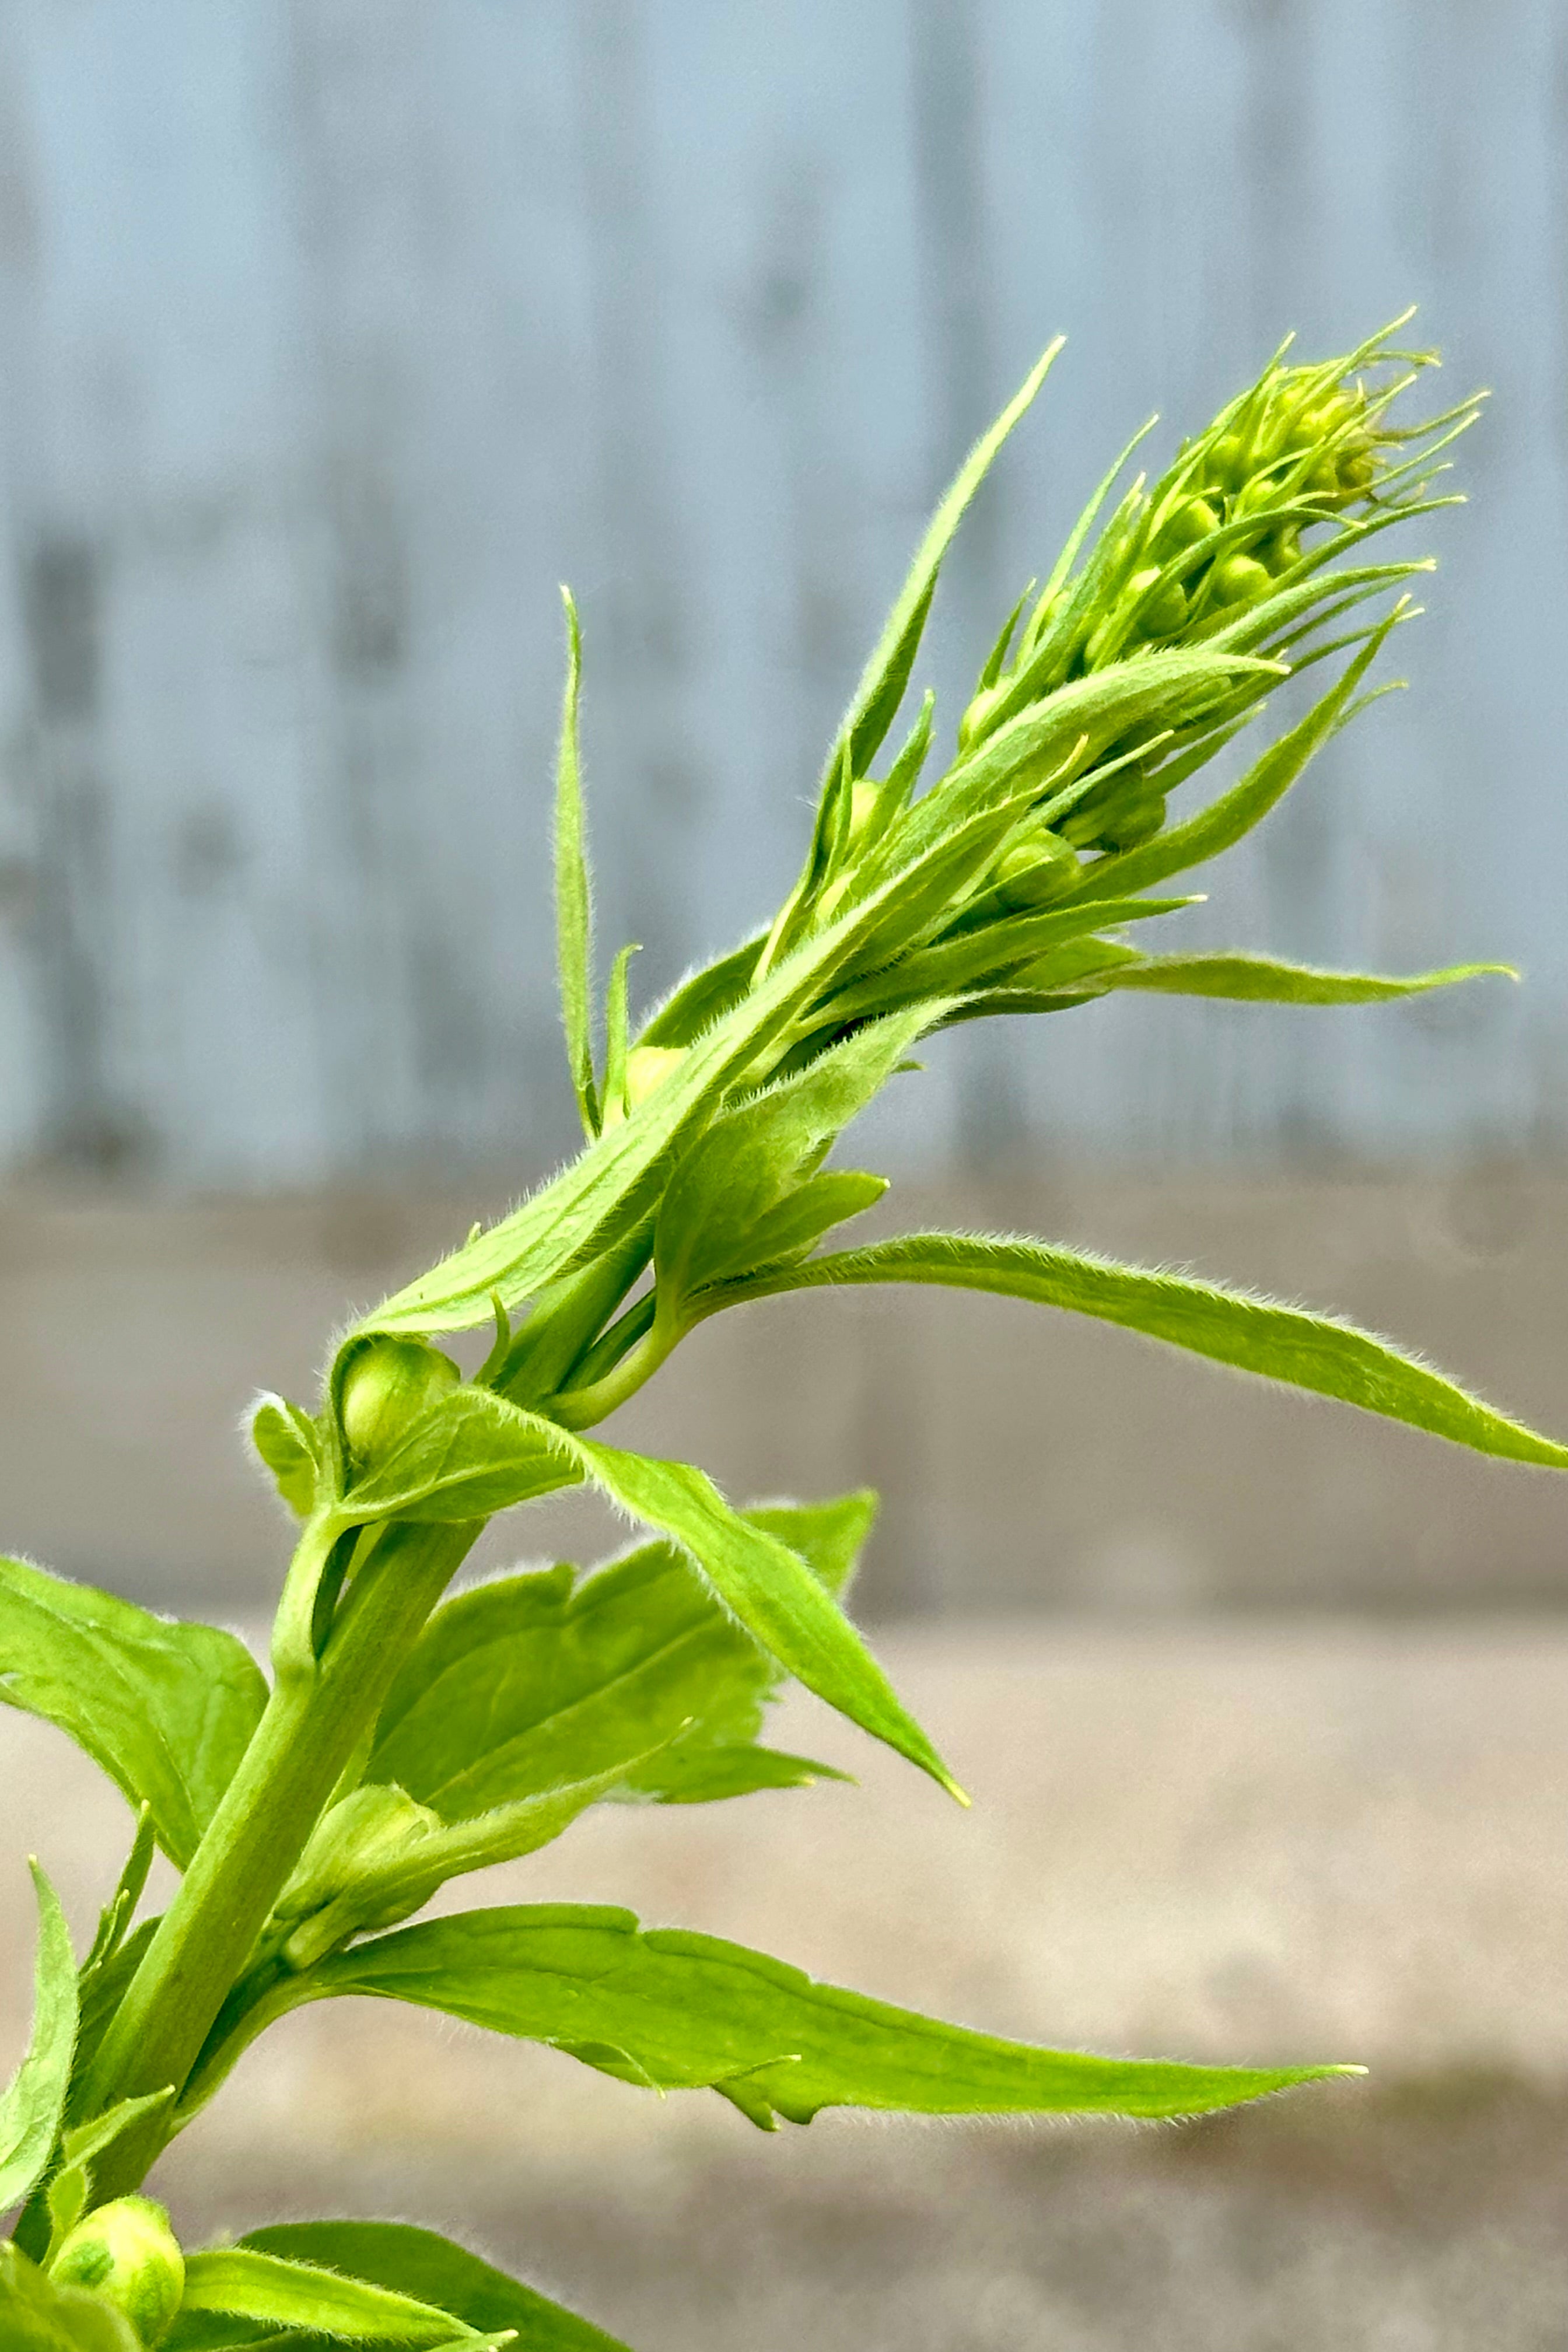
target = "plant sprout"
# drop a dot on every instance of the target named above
(408, 1735)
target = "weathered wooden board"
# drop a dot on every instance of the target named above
(333, 335)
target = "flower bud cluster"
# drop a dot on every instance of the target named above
(1217, 534)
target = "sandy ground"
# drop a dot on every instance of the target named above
(1222, 1839)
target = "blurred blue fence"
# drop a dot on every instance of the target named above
(334, 334)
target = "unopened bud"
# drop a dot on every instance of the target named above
(1131, 812)
(1038, 867)
(647, 1066)
(372, 1826)
(1193, 519)
(977, 717)
(1240, 580)
(387, 1382)
(127, 2253)
(1162, 608)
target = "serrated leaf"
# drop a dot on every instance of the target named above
(573, 911)
(166, 1708)
(34, 2101)
(244, 2282)
(431, 2269)
(35, 2316)
(1265, 980)
(289, 1443)
(491, 1453)
(549, 1677)
(681, 2011)
(1320, 1353)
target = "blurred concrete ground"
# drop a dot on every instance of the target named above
(1276, 1770)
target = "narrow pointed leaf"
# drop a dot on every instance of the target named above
(166, 1708)
(886, 674)
(289, 1443)
(431, 2269)
(248, 2284)
(34, 2101)
(1263, 980)
(1319, 1352)
(682, 2011)
(573, 914)
(1233, 814)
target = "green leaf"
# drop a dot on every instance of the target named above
(1319, 1352)
(678, 2011)
(118, 1911)
(473, 1453)
(243, 2281)
(770, 1590)
(881, 691)
(468, 1455)
(1263, 980)
(573, 914)
(613, 1185)
(35, 2316)
(34, 2101)
(549, 1677)
(70, 2190)
(418, 2263)
(290, 1444)
(167, 1709)
(391, 1886)
(1233, 814)
(746, 1166)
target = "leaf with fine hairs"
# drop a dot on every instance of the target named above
(34, 2101)
(243, 2283)
(548, 1677)
(419, 2264)
(574, 907)
(1265, 980)
(473, 1452)
(671, 2011)
(166, 1708)
(1304, 1351)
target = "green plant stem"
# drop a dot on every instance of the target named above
(310, 1728)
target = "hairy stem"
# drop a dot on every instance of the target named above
(312, 1726)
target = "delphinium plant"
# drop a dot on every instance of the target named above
(405, 1737)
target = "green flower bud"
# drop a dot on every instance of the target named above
(1240, 580)
(977, 717)
(1039, 867)
(1229, 461)
(1132, 812)
(373, 1825)
(1163, 612)
(648, 1066)
(127, 2253)
(864, 794)
(1281, 549)
(1193, 519)
(386, 1383)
